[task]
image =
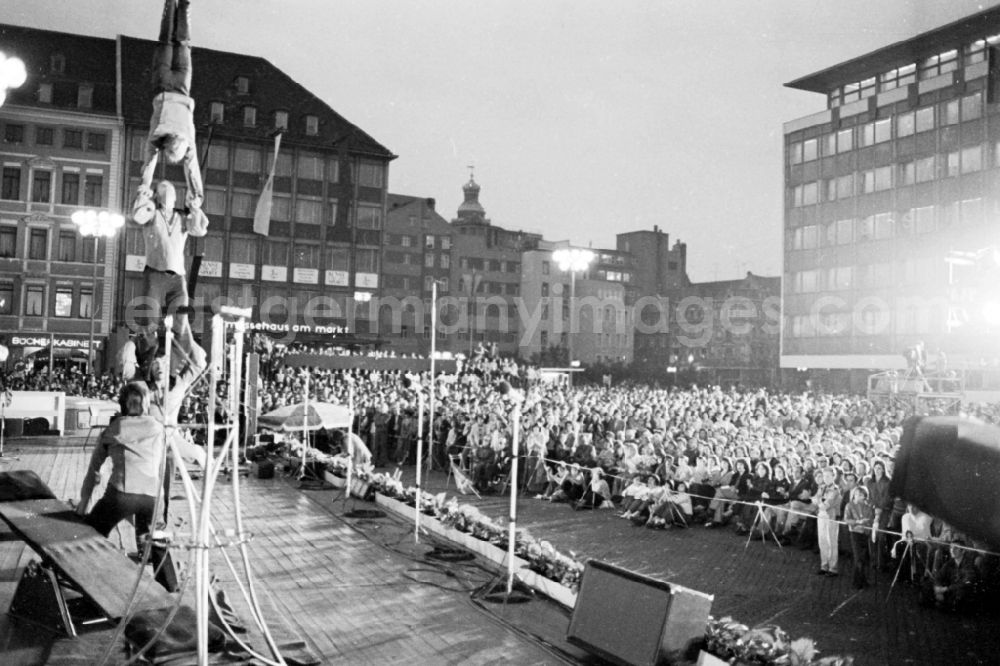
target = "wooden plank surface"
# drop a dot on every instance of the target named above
(92, 562)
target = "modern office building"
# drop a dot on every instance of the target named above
(418, 251)
(486, 278)
(313, 275)
(891, 207)
(61, 148)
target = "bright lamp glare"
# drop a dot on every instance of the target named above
(991, 313)
(573, 259)
(14, 74)
(97, 223)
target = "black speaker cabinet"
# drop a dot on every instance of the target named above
(634, 620)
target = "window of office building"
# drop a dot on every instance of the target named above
(281, 120)
(883, 226)
(923, 219)
(907, 173)
(93, 190)
(865, 228)
(6, 298)
(897, 78)
(67, 245)
(840, 277)
(70, 188)
(308, 211)
(249, 116)
(34, 300)
(243, 204)
(44, 136)
(275, 253)
(45, 93)
(845, 232)
(284, 168)
(938, 64)
(246, 159)
(8, 241)
(795, 153)
(309, 166)
(72, 138)
(810, 192)
(305, 256)
(906, 124)
(972, 159)
(845, 186)
(41, 187)
(810, 150)
(218, 157)
(369, 217)
(13, 133)
(366, 261)
(11, 189)
(86, 301)
(845, 140)
(951, 111)
(925, 119)
(338, 258)
(972, 106)
(952, 163)
(242, 250)
(97, 142)
(312, 125)
(925, 169)
(883, 130)
(974, 52)
(64, 302)
(371, 174)
(883, 178)
(215, 201)
(971, 211)
(868, 181)
(217, 112)
(281, 208)
(805, 282)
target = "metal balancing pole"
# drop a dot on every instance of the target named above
(430, 414)
(516, 416)
(420, 453)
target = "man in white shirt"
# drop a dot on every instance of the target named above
(165, 231)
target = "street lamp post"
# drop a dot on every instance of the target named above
(572, 259)
(95, 224)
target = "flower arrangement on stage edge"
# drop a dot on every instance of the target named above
(725, 638)
(738, 644)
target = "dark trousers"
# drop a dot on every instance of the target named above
(859, 552)
(164, 293)
(172, 57)
(115, 507)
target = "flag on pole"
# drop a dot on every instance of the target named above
(462, 482)
(262, 214)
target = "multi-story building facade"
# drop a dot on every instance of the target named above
(314, 273)
(726, 331)
(486, 277)
(659, 271)
(899, 170)
(600, 324)
(418, 251)
(60, 145)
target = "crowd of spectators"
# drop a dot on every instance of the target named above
(809, 469)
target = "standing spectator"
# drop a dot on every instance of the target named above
(859, 516)
(827, 502)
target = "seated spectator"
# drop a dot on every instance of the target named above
(952, 586)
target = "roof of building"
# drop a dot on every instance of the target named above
(270, 89)
(84, 60)
(400, 205)
(724, 287)
(940, 39)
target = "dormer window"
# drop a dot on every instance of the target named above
(44, 93)
(312, 125)
(249, 116)
(243, 85)
(85, 96)
(57, 63)
(281, 120)
(217, 112)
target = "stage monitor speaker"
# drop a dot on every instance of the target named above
(634, 620)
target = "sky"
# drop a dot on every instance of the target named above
(582, 118)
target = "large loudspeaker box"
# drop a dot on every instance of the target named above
(634, 620)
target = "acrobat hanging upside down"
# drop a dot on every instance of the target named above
(171, 128)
